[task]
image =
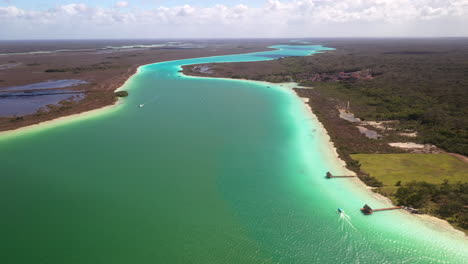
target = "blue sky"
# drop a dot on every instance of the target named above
(78, 19)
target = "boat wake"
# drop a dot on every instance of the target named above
(349, 236)
(346, 220)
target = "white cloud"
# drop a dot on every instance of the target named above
(275, 18)
(184, 11)
(122, 4)
(11, 11)
(73, 9)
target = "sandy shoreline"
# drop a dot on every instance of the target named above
(57, 121)
(326, 137)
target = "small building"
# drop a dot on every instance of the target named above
(366, 209)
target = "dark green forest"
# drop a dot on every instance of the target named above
(445, 200)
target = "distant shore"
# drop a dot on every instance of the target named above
(105, 73)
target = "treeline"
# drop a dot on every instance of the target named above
(448, 201)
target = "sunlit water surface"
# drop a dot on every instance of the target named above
(207, 171)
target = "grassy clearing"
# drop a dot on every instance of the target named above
(431, 168)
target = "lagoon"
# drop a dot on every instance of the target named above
(208, 171)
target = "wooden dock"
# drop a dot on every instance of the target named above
(366, 209)
(329, 176)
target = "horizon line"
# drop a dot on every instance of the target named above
(238, 38)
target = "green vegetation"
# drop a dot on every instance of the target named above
(405, 168)
(121, 94)
(425, 92)
(370, 180)
(446, 200)
(435, 183)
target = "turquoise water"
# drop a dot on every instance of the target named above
(208, 171)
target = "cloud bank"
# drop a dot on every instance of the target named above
(297, 18)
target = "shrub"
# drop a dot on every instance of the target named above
(55, 70)
(121, 94)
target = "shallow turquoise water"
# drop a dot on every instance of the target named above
(208, 171)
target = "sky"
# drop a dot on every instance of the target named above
(92, 19)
